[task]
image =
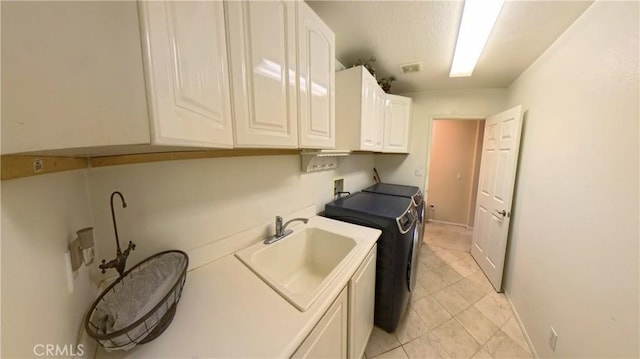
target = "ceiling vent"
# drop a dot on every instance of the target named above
(411, 68)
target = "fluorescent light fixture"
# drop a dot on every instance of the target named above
(478, 18)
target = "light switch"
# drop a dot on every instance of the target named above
(459, 176)
(419, 172)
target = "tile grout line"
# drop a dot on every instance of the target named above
(405, 352)
(454, 317)
(480, 346)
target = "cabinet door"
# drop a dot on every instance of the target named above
(71, 76)
(370, 125)
(379, 118)
(361, 305)
(187, 73)
(262, 50)
(396, 123)
(316, 55)
(329, 337)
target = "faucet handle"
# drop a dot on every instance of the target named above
(103, 267)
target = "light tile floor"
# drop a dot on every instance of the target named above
(453, 313)
(447, 236)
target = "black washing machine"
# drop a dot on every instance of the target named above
(397, 248)
(399, 190)
(416, 197)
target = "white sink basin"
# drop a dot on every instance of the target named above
(300, 266)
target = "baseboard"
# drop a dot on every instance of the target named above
(449, 223)
(522, 329)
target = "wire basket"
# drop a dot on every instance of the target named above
(146, 324)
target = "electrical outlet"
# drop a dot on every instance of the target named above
(553, 339)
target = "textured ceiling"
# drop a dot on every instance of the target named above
(400, 32)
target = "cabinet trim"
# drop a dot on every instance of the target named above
(25, 166)
(14, 167)
(190, 155)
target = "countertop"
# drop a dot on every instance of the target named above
(228, 311)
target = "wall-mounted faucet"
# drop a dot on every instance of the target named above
(281, 230)
(120, 261)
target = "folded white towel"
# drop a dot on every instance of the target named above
(135, 296)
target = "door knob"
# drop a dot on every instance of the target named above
(503, 212)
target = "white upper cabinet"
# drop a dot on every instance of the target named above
(371, 136)
(397, 119)
(116, 77)
(262, 49)
(187, 73)
(316, 56)
(359, 111)
(72, 76)
(367, 119)
(378, 119)
(283, 74)
(77, 77)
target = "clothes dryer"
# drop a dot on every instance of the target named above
(396, 263)
(412, 192)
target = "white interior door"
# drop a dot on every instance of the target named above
(495, 192)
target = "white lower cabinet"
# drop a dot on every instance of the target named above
(329, 337)
(362, 288)
(344, 330)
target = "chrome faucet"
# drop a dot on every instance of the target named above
(120, 261)
(281, 230)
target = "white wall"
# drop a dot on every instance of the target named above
(573, 255)
(477, 103)
(186, 204)
(39, 216)
(171, 205)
